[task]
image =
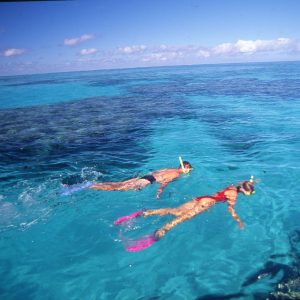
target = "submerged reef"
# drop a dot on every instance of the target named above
(288, 286)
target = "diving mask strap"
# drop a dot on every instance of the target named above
(252, 181)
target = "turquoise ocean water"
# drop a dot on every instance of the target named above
(229, 121)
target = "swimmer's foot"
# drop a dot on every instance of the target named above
(141, 244)
(129, 217)
(70, 189)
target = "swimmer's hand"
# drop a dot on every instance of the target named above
(241, 225)
(159, 191)
(161, 188)
(159, 233)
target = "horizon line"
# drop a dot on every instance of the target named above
(151, 67)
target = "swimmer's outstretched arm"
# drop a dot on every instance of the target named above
(160, 189)
(163, 230)
(235, 216)
(232, 196)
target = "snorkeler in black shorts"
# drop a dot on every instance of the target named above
(163, 177)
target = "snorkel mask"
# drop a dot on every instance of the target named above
(246, 185)
(184, 170)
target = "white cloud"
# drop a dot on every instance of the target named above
(132, 49)
(78, 40)
(154, 57)
(254, 46)
(88, 51)
(193, 54)
(162, 54)
(13, 52)
(175, 53)
(203, 53)
(223, 48)
(163, 47)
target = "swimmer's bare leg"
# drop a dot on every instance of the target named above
(158, 212)
(131, 184)
(106, 186)
(159, 233)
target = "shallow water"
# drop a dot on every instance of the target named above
(229, 121)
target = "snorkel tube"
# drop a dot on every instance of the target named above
(184, 170)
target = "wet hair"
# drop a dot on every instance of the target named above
(186, 164)
(247, 186)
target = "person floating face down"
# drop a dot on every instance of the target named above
(163, 177)
(189, 210)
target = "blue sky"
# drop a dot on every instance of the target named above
(56, 36)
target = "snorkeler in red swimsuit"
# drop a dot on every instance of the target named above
(219, 196)
(189, 210)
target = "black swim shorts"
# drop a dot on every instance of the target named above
(150, 178)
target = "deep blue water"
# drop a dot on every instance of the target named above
(229, 121)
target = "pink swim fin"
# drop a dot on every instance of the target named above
(129, 217)
(141, 244)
